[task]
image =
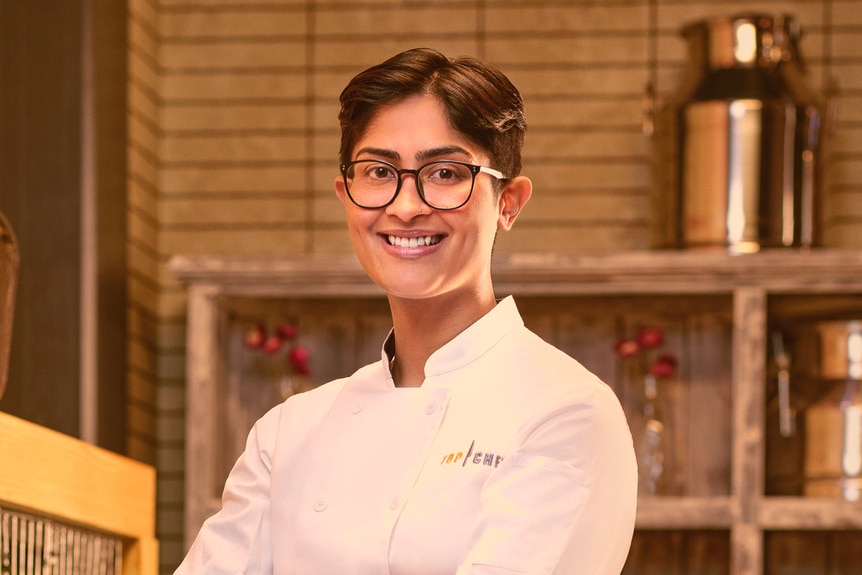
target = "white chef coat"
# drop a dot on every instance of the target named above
(511, 458)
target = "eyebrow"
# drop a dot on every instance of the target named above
(422, 155)
(440, 152)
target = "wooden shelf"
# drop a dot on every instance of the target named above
(643, 272)
(684, 513)
(720, 305)
(776, 513)
(809, 513)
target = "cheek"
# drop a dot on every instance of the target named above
(359, 233)
(357, 225)
(481, 229)
(487, 218)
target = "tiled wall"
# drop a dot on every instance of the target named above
(233, 140)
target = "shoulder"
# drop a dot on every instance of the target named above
(541, 382)
(300, 413)
(545, 368)
(565, 405)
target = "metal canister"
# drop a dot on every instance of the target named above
(833, 425)
(739, 144)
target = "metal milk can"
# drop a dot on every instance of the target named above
(833, 425)
(738, 146)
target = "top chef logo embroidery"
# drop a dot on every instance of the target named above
(473, 457)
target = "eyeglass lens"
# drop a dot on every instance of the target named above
(442, 184)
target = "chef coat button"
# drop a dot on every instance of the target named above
(396, 501)
(430, 407)
(320, 504)
(357, 407)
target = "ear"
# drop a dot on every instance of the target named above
(512, 199)
(340, 190)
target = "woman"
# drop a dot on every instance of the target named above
(472, 446)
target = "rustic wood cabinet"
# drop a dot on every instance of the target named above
(720, 508)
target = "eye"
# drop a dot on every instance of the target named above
(374, 172)
(446, 173)
(380, 171)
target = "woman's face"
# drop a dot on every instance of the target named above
(456, 253)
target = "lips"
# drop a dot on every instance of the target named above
(413, 242)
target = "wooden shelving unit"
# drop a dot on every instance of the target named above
(717, 308)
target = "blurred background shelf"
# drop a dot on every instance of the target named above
(717, 509)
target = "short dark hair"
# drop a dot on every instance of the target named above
(480, 101)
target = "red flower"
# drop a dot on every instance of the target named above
(281, 340)
(627, 347)
(272, 344)
(664, 366)
(287, 331)
(298, 359)
(650, 337)
(255, 337)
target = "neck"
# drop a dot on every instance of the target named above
(424, 326)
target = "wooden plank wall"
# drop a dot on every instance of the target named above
(143, 259)
(233, 140)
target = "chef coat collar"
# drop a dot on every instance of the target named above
(468, 345)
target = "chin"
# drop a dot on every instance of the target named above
(413, 289)
(405, 292)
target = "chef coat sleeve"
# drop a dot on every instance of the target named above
(564, 503)
(237, 540)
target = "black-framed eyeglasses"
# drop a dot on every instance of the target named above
(442, 184)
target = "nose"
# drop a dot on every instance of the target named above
(408, 203)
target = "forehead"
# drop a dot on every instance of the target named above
(410, 128)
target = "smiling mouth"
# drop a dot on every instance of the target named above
(413, 242)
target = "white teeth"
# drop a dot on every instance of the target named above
(413, 242)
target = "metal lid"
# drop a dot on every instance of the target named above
(745, 40)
